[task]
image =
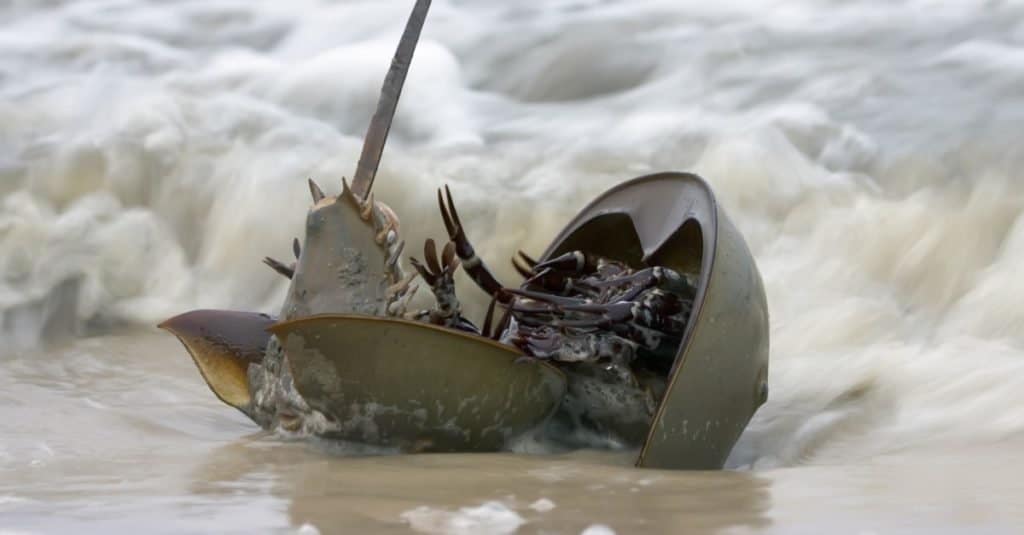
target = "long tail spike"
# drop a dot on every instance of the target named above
(377, 133)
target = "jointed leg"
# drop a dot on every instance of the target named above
(440, 276)
(473, 265)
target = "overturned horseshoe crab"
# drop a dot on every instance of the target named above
(644, 322)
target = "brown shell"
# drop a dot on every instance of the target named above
(415, 386)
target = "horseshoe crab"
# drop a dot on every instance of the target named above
(644, 321)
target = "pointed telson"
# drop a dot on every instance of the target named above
(377, 133)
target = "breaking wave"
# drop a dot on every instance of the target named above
(152, 153)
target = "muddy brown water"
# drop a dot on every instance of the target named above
(119, 434)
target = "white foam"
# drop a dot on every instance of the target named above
(6, 500)
(152, 153)
(542, 505)
(307, 529)
(597, 529)
(489, 517)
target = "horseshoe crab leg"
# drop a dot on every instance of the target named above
(474, 266)
(574, 261)
(438, 274)
(499, 327)
(280, 267)
(377, 133)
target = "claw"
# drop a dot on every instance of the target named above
(530, 262)
(279, 267)
(449, 225)
(546, 298)
(430, 255)
(422, 270)
(296, 248)
(474, 267)
(451, 207)
(315, 191)
(448, 256)
(571, 261)
(453, 225)
(525, 272)
(537, 277)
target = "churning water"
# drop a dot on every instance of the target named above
(152, 152)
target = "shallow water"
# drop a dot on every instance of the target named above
(152, 152)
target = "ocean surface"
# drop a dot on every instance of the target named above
(153, 152)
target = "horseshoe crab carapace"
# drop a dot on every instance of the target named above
(719, 375)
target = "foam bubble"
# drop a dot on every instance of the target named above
(489, 517)
(542, 505)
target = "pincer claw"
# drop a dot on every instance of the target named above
(574, 261)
